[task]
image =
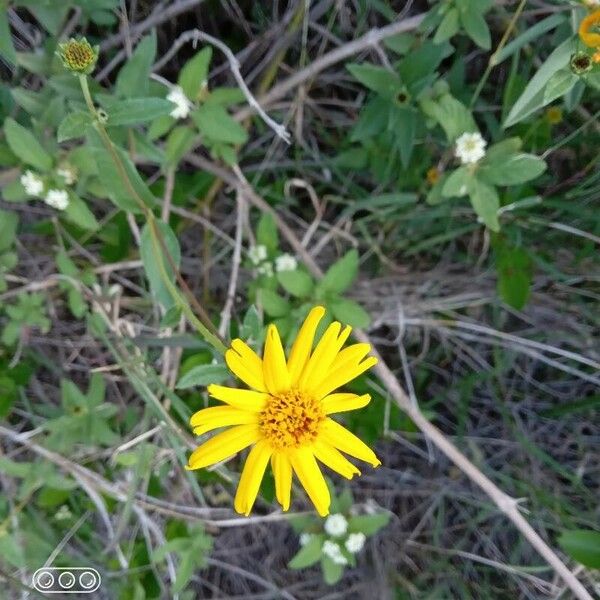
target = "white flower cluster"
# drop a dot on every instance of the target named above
(182, 104)
(58, 199)
(285, 262)
(334, 552)
(336, 525)
(32, 183)
(258, 257)
(470, 148)
(55, 197)
(355, 542)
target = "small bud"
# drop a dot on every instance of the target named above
(581, 63)
(102, 116)
(78, 56)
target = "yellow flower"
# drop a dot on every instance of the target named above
(554, 115)
(433, 176)
(589, 30)
(286, 414)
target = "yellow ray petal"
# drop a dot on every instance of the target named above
(338, 436)
(351, 355)
(214, 417)
(282, 472)
(242, 399)
(339, 377)
(311, 478)
(245, 366)
(325, 352)
(223, 445)
(250, 358)
(303, 344)
(252, 475)
(334, 459)
(336, 403)
(276, 376)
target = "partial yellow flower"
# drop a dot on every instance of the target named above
(589, 30)
(285, 417)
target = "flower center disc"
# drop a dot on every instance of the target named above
(291, 419)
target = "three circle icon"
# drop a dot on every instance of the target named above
(66, 580)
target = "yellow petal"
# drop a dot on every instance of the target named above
(282, 472)
(336, 403)
(220, 416)
(586, 30)
(303, 343)
(325, 353)
(338, 436)
(311, 478)
(252, 475)
(334, 459)
(223, 445)
(242, 399)
(276, 376)
(339, 377)
(350, 355)
(245, 366)
(250, 358)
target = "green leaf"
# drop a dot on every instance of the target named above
(7, 49)
(179, 141)
(513, 267)
(561, 83)
(583, 545)
(403, 126)
(297, 283)
(138, 110)
(273, 303)
(513, 170)
(73, 125)
(8, 229)
(368, 524)
(475, 26)
(332, 572)
(121, 185)
(453, 116)
(502, 150)
(78, 213)
(486, 203)
(194, 74)
(14, 192)
(309, 554)
(448, 27)
(25, 146)
(350, 313)
(373, 119)
(215, 123)
(32, 102)
(266, 233)
(457, 183)
(153, 256)
(341, 274)
(532, 97)
(134, 76)
(378, 79)
(203, 375)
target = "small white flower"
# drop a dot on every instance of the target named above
(68, 174)
(305, 538)
(257, 254)
(285, 262)
(58, 199)
(355, 542)
(470, 148)
(63, 513)
(336, 525)
(182, 104)
(265, 269)
(334, 552)
(32, 183)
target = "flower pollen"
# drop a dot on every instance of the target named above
(291, 419)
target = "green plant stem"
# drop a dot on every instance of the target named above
(494, 57)
(158, 245)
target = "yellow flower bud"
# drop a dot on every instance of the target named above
(78, 56)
